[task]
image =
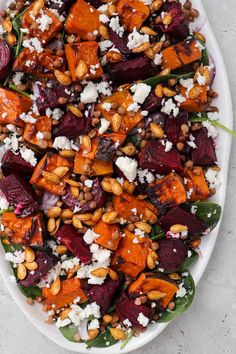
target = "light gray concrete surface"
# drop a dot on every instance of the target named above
(209, 327)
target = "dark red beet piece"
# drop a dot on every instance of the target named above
(68, 236)
(126, 308)
(5, 59)
(131, 70)
(177, 215)
(70, 126)
(154, 157)
(179, 26)
(103, 294)
(172, 253)
(152, 103)
(173, 126)
(106, 149)
(50, 93)
(59, 5)
(14, 163)
(204, 155)
(119, 42)
(19, 194)
(45, 263)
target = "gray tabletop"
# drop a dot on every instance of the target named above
(210, 324)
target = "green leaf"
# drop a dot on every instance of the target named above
(103, 340)
(15, 88)
(6, 210)
(129, 336)
(157, 233)
(199, 119)
(181, 303)
(208, 212)
(69, 332)
(189, 261)
(32, 291)
(16, 22)
(153, 81)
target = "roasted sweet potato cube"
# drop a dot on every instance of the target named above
(48, 164)
(83, 20)
(150, 281)
(12, 104)
(124, 99)
(130, 257)
(40, 23)
(181, 54)
(125, 204)
(70, 290)
(24, 231)
(132, 13)
(40, 64)
(196, 184)
(110, 235)
(34, 132)
(194, 105)
(167, 191)
(86, 166)
(88, 52)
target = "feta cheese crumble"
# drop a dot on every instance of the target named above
(128, 166)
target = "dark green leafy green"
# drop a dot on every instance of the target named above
(199, 119)
(16, 22)
(69, 332)
(157, 233)
(181, 303)
(208, 212)
(32, 291)
(189, 261)
(153, 81)
(15, 88)
(103, 340)
(5, 210)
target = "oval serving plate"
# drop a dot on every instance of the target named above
(223, 102)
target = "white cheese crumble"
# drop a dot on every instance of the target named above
(145, 176)
(89, 94)
(143, 320)
(28, 155)
(4, 205)
(90, 236)
(135, 39)
(141, 92)
(211, 177)
(169, 106)
(128, 166)
(33, 44)
(116, 27)
(211, 130)
(182, 291)
(17, 77)
(62, 142)
(44, 21)
(158, 59)
(105, 124)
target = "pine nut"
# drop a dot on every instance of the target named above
(159, 91)
(116, 187)
(149, 216)
(168, 93)
(116, 121)
(72, 183)
(148, 30)
(67, 214)
(167, 19)
(81, 70)
(61, 249)
(117, 333)
(178, 228)
(156, 5)
(31, 265)
(21, 271)
(113, 56)
(54, 212)
(149, 53)
(56, 287)
(141, 48)
(84, 217)
(64, 314)
(38, 5)
(103, 31)
(157, 47)
(7, 25)
(107, 319)
(106, 185)
(110, 217)
(62, 77)
(51, 177)
(155, 295)
(75, 110)
(51, 225)
(174, 276)
(151, 262)
(29, 255)
(156, 130)
(86, 143)
(129, 150)
(76, 222)
(67, 153)
(100, 272)
(195, 92)
(97, 215)
(61, 171)
(113, 274)
(143, 226)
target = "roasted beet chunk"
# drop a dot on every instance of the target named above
(14, 163)
(45, 263)
(59, 5)
(106, 149)
(5, 59)
(131, 70)
(103, 294)
(204, 154)
(74, 242)
(173, 126)
(49, 94)
(126, 308)
(154, 157)
(19, 195)
(177, 215)
(178, 27)
(172, 253)
(152, 103)
(119, 42)
(70, 126)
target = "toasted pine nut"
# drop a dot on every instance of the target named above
(141, 48)
(65, 313)
(103, 31)
(195, 92)
(51, 225)
(84, 217)
(75, 110)
(157, 130)
(86, 143)
(71, 182)
(200, 36)
(148, 30)
(61, 171)
(61, 249)
(37, 6)
(111, 9)
(149, 53)
(116, 121)
(72, 272)
(113, 274)
(67, 214)
(21, 271)
(174, 276)
(67, 153)
(76, 222)
(117, 333)
(106, 185)
(149, 216)
(56, 287)
(81, 70)
(178, 228)
(54, 212)
(107, 319)
(97, 215)
(100, 272)
(167, 19)
(157, 47)
(31, 265)
(116, 187)
(51, 177)
(168, 93)
(159, 90)
(62, 77)
(110, 217)
(155, 295)
(7, 25)
(143, 226)
(156, 5)
(151, 262)
(113, 56)
(29, 255)
(74, 191)
(129, 150)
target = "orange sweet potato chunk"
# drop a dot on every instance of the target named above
(126, 203)
(196, 184)
(132, 13)
(88, 52)
(124, 99)
(180, 54)
(110, 235)
(70, 290)
(48, 163)
(41, 64)
(194, 105)
(130, 258)
(12, 104)
(150, 281)
(42, 125)
(30, 18)
(168, 190)
(86, 166)
(83, 20)
(25, 231)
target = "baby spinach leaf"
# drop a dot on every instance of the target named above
(189, 261)
(153, 81)
(208, 212)
(32, 291)
(215, 123)
(181, 303)
(69, 332)
(15, 88)
(16, 22)
(103, 340)
(157, 233)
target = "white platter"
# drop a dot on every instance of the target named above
(221, 85)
